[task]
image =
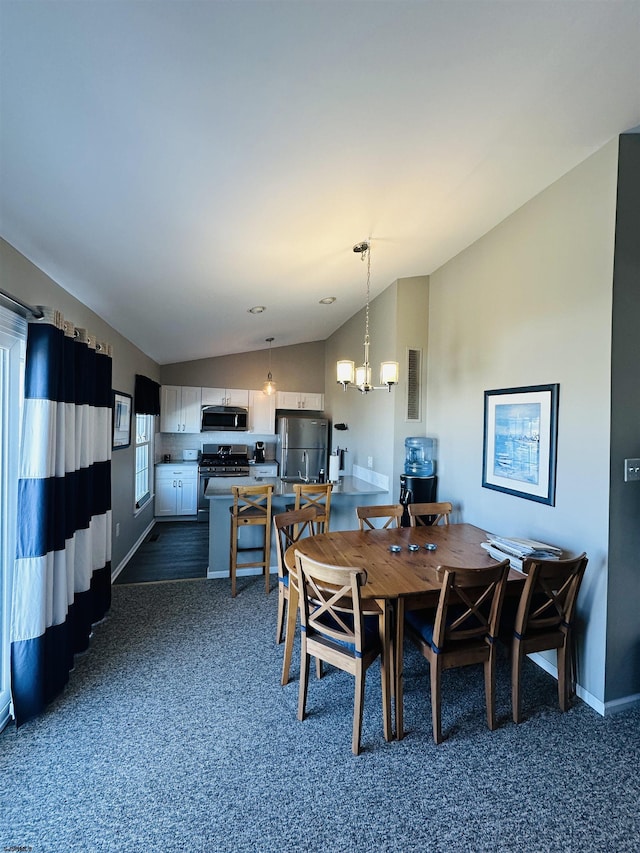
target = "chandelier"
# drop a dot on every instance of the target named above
(350, 376)
(269, 386)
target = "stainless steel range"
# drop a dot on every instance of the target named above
(230, 461)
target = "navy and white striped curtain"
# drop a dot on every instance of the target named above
(62, 577)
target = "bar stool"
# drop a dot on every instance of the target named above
(317, 495)
(251, 506)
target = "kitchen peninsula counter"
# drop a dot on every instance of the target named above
(346, 495)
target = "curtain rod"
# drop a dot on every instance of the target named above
(35, 312)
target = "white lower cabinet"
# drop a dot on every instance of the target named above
(176, 490)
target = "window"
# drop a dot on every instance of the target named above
(144, 436)
(13, 333)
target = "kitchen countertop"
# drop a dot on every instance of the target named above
(217, 489)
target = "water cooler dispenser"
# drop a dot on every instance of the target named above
(418, 483)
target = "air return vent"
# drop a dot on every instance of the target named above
(414, 384)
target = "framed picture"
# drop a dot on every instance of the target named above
(520, 441)
(121, 420)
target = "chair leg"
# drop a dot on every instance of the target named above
(282, 601)
(358, 704)
(385, 675)
(436, 702)
(563, 691)
(289, 632)
(267, 556)
(234, 556)
(516, 671)
(304, 679)
(489, 689)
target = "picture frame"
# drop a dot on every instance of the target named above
(122, 407)
(520, 441)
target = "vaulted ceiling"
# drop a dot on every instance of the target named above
(173, 164)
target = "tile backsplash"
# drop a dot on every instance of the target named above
(174, 443)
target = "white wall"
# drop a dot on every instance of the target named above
(370, 417)
(530, 303)
(377, 421)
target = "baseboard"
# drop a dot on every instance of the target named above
(224, 573)
(605, 709)
(624, 704)
(115, 572)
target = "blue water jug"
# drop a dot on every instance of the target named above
(418, 460)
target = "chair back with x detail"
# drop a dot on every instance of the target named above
(544, 620)
(251, 506)
(429, 514)
(388, 515)
(317, 495)
(462, 630)
(336, 629)
(289, 527)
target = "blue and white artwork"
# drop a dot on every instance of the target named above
(517, 442)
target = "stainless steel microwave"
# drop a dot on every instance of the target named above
(224, 418)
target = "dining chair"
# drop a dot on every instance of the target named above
(289, 527)
(392, 513)
(429, 514)
(462, 630)
(317, 495)
(336, 628)
(544, 620)
(251, 507)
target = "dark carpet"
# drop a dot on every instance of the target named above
(173, 550)
(175, 735)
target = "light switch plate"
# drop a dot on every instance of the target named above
(631, 470)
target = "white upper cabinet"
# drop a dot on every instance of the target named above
(225, 397)
(180, 409)
(262, 413)
(300, 400)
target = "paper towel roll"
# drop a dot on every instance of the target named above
(334, 469)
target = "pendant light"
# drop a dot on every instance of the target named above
(269, 386)
(350, 376)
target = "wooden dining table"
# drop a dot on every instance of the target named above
(400, 580)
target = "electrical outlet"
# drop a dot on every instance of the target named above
(117, 528)
(369, 461)
(631, 470)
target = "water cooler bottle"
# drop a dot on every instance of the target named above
(418, 483)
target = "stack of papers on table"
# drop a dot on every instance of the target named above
(517, 550)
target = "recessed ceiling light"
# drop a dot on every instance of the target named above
(327, 300)
(257, 309)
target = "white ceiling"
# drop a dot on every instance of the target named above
(172, 164)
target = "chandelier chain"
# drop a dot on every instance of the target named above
(367, 252)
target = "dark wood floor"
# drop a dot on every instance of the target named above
(174, 550)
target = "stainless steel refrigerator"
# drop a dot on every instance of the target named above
(302, 446)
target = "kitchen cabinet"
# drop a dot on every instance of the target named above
(180, 409)
(176, 489)
(262, 413)
(264, 469)
(225, 397)
(300, 400)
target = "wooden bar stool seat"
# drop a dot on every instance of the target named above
(251, 507)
